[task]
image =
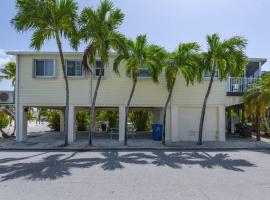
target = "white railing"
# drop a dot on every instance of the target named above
(239, 84)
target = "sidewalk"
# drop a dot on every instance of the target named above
(54, 141)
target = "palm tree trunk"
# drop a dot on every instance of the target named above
(266, 125)
(127, 109)
(4, 134)
(165, 113)
(12, 115)
(58, 41)
(204, 107)
(258, 131)
(93, 106)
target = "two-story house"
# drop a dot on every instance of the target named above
(40, 83)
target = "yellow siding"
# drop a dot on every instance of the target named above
(114, 90)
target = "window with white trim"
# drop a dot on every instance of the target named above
(144, 72)
(207, 75)
(74, 68)
(98, 68)
(44, 68)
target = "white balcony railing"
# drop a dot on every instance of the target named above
(239, 84)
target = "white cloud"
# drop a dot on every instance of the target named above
(4, 58)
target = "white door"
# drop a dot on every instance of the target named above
(188, 124)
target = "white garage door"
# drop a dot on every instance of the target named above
(188, 124)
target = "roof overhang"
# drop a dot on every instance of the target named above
(262, 60)
(78, 53)
(75, 53)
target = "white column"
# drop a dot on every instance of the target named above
(174, 123)
(21, 123)
(62, 121)
(221, 121)
(71, 125)
(260, 68)
(121, 123)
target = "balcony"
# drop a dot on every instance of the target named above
(236, 86)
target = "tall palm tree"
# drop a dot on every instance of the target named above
(257, 100)
(184, 61)
(226, 57)
(49, 19)
(139, 54)
(9, 72)
(100, 29)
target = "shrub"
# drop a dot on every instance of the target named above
(54, 120)
(82, 119)
(110, 115)
(141, 119)
(4, 120)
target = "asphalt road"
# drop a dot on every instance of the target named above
(139, 175)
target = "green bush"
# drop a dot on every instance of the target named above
(4, 120)
(82, 119)
(54, 120)
(141, 119)
(110, 115)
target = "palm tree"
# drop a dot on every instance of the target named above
(139, 54)
(100, 29)
(225, 57)
(257, 100)
(49, 19)
(9, 72)
(184, 61)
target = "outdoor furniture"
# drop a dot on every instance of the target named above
(243, 130)
(115, 132)
(246, 131)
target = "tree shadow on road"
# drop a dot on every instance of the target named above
(59, 165)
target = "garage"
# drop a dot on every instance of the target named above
(188, 124)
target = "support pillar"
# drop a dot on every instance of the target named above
(62, 121)
(71, 125)
(229, 121)
(174, 124)
(221, 123)
(121, 123)
(21, 123)
(243, 114)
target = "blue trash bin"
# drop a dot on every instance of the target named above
(157, 132)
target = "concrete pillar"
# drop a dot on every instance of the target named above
(21, 123)
(222, 126)
(121, 123)
(71, 125)
(174, 123)
(62, 121)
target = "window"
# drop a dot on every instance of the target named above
(207, 75)
(98, 68)
(144, 72)
(74, 68)
(44, 68)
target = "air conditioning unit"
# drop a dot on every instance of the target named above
(7, 97)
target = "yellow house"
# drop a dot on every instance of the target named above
(40, 83)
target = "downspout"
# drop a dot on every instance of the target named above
(17, 86)
(171, 125)
(91, 89)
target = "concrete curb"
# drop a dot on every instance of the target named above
(134, 149)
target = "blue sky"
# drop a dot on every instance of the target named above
(166, 22)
